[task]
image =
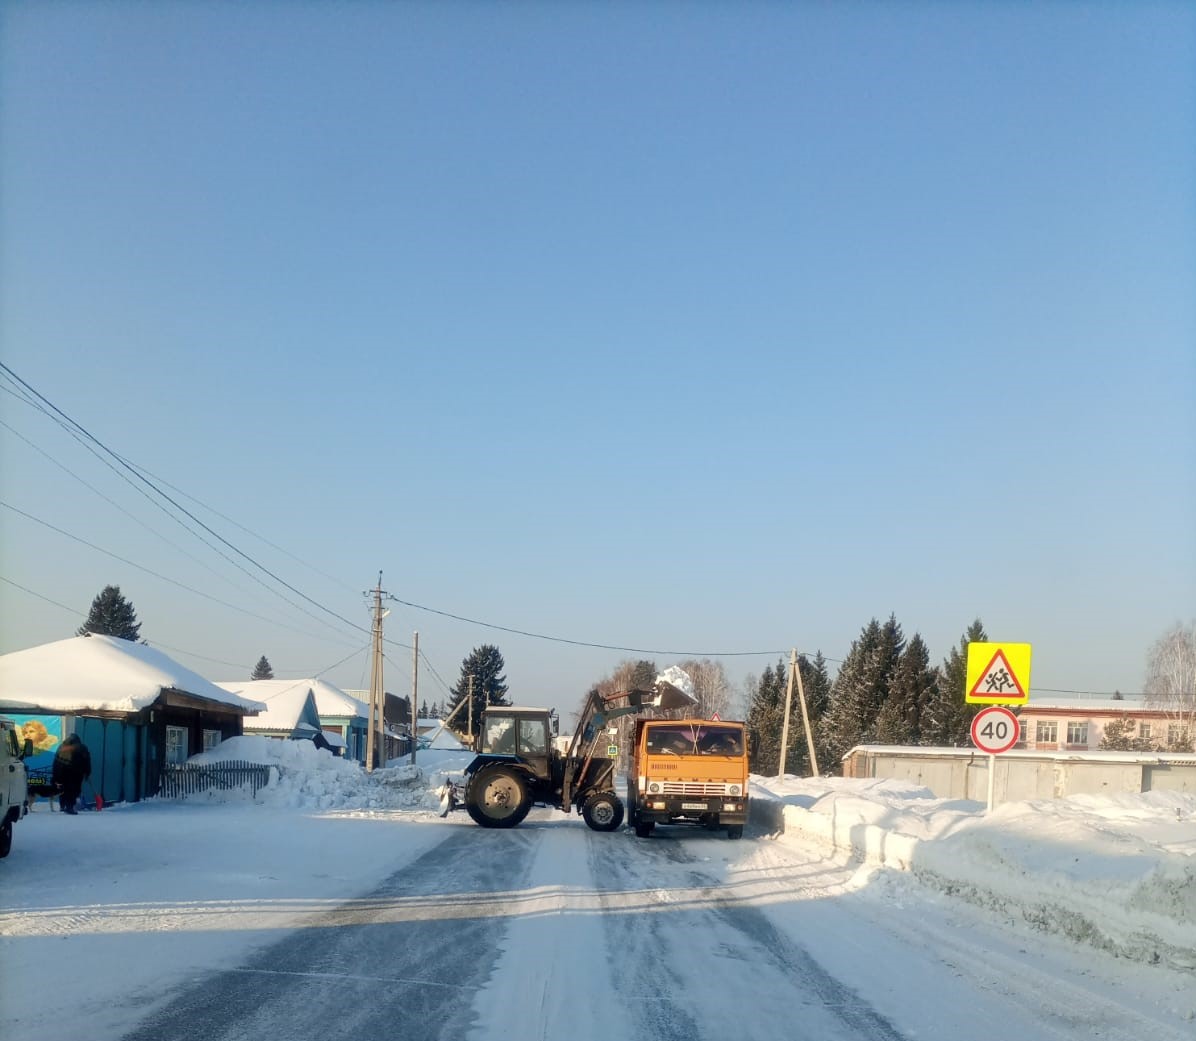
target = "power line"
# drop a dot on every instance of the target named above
(70, 610)
(164, 578)
(584, 643)
(112, 502)
(182, 509)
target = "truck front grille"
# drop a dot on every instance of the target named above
(695, 788)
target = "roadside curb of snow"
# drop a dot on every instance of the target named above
(1115, 932)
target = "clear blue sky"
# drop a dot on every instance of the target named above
(684, 327)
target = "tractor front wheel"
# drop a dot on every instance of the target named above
(497, 797)
(603, 811)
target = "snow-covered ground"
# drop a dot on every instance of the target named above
(134, 900)
(1114, 872)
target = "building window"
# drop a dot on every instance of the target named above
(1046, 733)
(211, 738)
(1144, 731)
(1177, 734)
(176, 744)
(1077, 733)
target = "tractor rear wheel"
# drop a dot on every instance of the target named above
(497, 797)
(603, 811)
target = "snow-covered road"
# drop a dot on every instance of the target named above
(370, 917)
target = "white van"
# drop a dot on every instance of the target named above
(13, 785)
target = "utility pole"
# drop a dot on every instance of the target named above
(414, 696)
(376, 734)
(471, 710)
(795, 673)
(788, 699)
(805, 718)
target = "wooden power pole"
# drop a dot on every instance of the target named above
(414, 696)
(788, 700)
(795, 674)
(375, 743)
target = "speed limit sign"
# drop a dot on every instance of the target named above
(994, 730)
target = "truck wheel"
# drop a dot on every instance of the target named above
(644, 828)
(603, 812)
(5, 837)
(734, 831)
(497, 797)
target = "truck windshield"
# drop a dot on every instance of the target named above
(690, 739)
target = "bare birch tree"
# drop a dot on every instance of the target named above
(1171, 684)
(711, 688)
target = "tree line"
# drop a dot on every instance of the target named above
(885, 691)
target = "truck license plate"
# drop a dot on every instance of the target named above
(693, 806)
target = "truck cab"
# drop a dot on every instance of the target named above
(688, 771)
(14, 786)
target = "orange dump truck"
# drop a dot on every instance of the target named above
(688, 771)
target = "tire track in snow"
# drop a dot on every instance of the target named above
(718, 968)
(405, 960)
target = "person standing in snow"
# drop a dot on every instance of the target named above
(72, 766)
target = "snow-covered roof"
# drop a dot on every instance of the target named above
(100, 673)
(330, 700)
(289, 704)
(1126, 704)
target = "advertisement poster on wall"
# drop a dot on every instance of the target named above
(46, 734)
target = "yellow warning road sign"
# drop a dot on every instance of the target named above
(998, 674)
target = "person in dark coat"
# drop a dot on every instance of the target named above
(72, 766)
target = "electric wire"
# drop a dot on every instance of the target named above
(91, 437)
(112, 502)
(164, 578)
(584, 643)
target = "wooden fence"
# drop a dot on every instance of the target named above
(182, 779)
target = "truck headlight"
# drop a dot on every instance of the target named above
(654, 787)
(733, 789)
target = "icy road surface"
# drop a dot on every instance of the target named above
(553, 931)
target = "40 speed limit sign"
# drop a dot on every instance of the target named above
(994, 730)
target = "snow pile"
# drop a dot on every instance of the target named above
(679, 678)
(305, 777)
(1116, 872)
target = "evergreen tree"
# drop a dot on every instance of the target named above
(913, 684)
(262, 670)
(765, 715)
(946, 718)
(1119, 736)
(485, 664)
(861, 689)
(111, 615)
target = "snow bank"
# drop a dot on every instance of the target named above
(305, 777)
(1116, 872)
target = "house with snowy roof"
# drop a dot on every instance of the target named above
(134, 707)
(296, 709)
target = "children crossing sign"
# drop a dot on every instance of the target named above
(998, 674)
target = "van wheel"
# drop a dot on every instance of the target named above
(5, 838)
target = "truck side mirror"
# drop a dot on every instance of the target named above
(28, 752)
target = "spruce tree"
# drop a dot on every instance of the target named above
(861, 689)
(765, 715)
(111, 615)
(913, 683)
(946, 717)
(262, 670)
(485, 664)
